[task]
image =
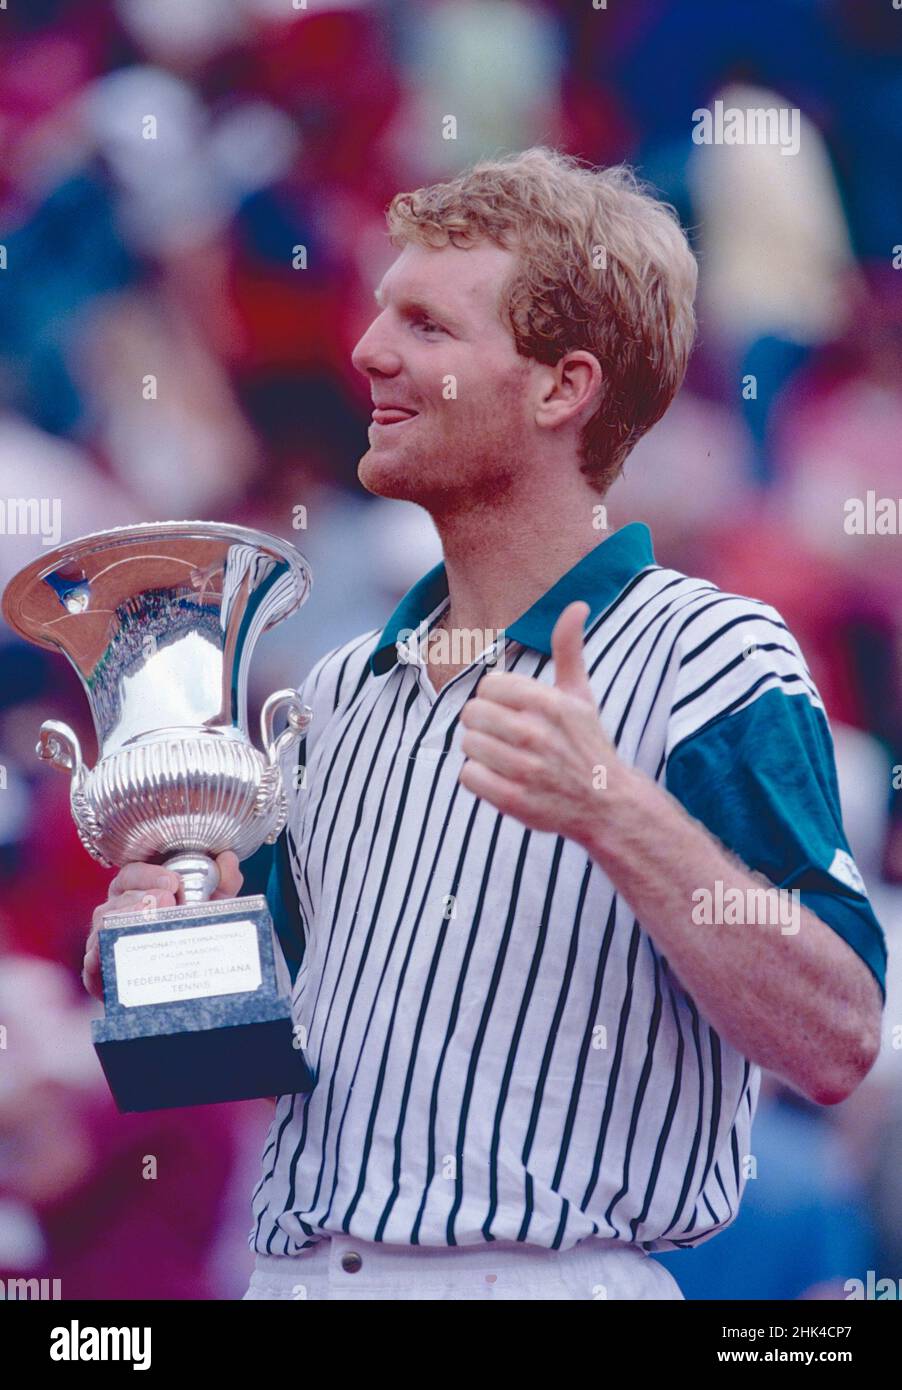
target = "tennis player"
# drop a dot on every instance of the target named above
(566, 867)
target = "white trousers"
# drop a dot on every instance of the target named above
(345, 1268)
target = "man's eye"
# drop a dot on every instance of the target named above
(430, 325)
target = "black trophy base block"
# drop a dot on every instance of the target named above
(197, 1007)
(164, 1071)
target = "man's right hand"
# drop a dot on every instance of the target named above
(137, 887)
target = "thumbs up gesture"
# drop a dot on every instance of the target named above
(539, 752)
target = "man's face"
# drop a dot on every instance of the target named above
(439, 349)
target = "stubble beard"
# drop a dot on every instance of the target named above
(462, 474)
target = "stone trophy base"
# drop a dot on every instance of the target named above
(197, 1007)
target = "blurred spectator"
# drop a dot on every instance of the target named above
(483, 77)
(78, 496)
(109, 1204)
(776, 256)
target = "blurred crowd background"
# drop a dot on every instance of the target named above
(280, 126)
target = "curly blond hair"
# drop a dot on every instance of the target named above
(602, 265)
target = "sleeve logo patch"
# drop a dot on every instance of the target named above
(846, 870)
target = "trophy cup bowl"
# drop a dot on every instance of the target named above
(160, 622)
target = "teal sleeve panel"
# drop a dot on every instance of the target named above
(763, 780)
(282, 897)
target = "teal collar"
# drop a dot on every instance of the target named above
(597, 579)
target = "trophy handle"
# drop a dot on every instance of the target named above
(299, 720)
(59, 746)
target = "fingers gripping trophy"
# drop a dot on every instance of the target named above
(160, 622)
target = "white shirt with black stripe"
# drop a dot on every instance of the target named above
(500, 1050)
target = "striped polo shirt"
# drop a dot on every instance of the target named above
(500, 1049)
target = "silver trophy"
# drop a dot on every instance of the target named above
(160, 622)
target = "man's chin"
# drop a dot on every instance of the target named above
(386, 477)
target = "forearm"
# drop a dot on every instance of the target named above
(789, 994)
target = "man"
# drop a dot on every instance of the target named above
(543, 954)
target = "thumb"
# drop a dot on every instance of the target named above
(570, 674)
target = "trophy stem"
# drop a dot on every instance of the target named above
(199, 875)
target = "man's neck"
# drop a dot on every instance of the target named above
(498, 567)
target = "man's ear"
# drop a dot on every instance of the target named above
(572, 391)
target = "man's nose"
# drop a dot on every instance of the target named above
(374, 351)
